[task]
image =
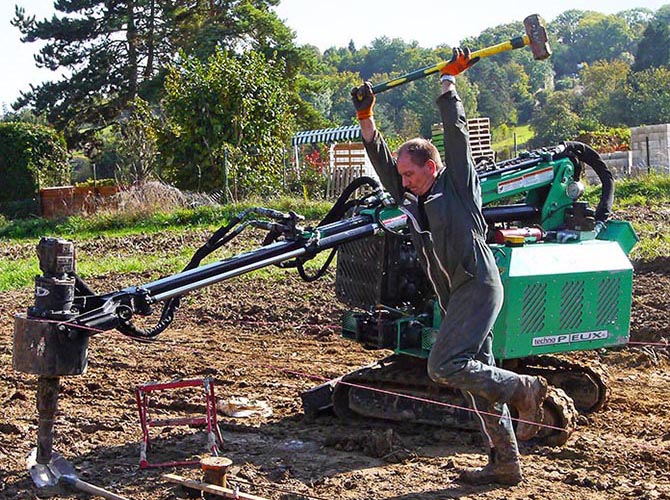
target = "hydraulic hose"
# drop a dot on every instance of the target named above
(585, 153)
(342, 204)
(223, 235)
(219, 238)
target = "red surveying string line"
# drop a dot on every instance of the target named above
(415, 398)
(381, 391)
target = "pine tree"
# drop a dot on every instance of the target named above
(111, 51)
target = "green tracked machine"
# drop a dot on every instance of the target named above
(568, 287)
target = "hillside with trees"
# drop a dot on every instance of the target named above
(194, 91)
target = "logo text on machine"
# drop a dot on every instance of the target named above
(568, 338)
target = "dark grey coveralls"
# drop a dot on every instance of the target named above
(452, 249)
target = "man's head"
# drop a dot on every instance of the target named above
(418, 165)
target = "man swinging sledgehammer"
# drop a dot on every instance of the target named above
(443, 204)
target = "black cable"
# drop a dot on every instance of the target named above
(219, 238)
(309, 279)
(339, 208)
(583, 152)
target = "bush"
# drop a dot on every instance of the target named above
(606, 139)
(31, 157)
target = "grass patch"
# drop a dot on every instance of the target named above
(17, 273)
(648, 190)
(119, 223)
(503, 138)
(21, 273)
(654, 241)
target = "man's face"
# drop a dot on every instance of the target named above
(418, 179)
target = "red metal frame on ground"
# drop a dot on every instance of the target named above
(209, 420)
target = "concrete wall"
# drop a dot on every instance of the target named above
(619, 164)
(640, 160)
(651, 148)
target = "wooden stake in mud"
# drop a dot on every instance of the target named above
(210, 488)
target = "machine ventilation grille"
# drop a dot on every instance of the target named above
(608, 299)
(359, 273)
(572, 300)
(533, 310)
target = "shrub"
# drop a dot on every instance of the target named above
(31, 157)
(606, 139)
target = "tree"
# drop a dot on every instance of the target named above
(648, 97)
(654, 47)
(231, 112)
(31, 157)
(588, 36)
(496, 95)
(109, 49)
(138, 141)
(114, 51)
(603, 37)
(637, 20)
(555, 121)
(603, 95)
(505, 86)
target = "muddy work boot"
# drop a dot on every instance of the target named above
(528, 398)
(504, 467)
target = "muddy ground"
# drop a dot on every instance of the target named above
(269, 338)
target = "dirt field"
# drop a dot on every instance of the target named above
(246, 333)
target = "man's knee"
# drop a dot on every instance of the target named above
(446, 371)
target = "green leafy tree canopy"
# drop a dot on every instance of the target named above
(231, 111)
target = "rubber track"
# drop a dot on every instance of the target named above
(395, 375)
(563, 409)
(596, 374)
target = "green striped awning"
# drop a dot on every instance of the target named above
(327, 135)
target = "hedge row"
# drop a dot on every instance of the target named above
(31, 157)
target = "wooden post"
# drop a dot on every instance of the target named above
(215, 470)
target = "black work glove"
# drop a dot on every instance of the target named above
(364, 100)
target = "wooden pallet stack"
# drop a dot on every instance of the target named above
(349, 164)
(479, 130)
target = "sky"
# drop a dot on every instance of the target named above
(329, 23)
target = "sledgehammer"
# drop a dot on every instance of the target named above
(535, 37)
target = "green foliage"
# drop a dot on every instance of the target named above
(503, 140)
(648, 96)
(555, 121)
(118, 223)
(652, 191)
(506, 83)
(587, 36)
(311, 180)
(27, 228)
(649, 190)
(115, 51)
(654, 47)
(31, 157)
(138, 144)
(606, 139)
(17, 273)
(124, 48)
(604, 85)
(233, 109)
(95, 183)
